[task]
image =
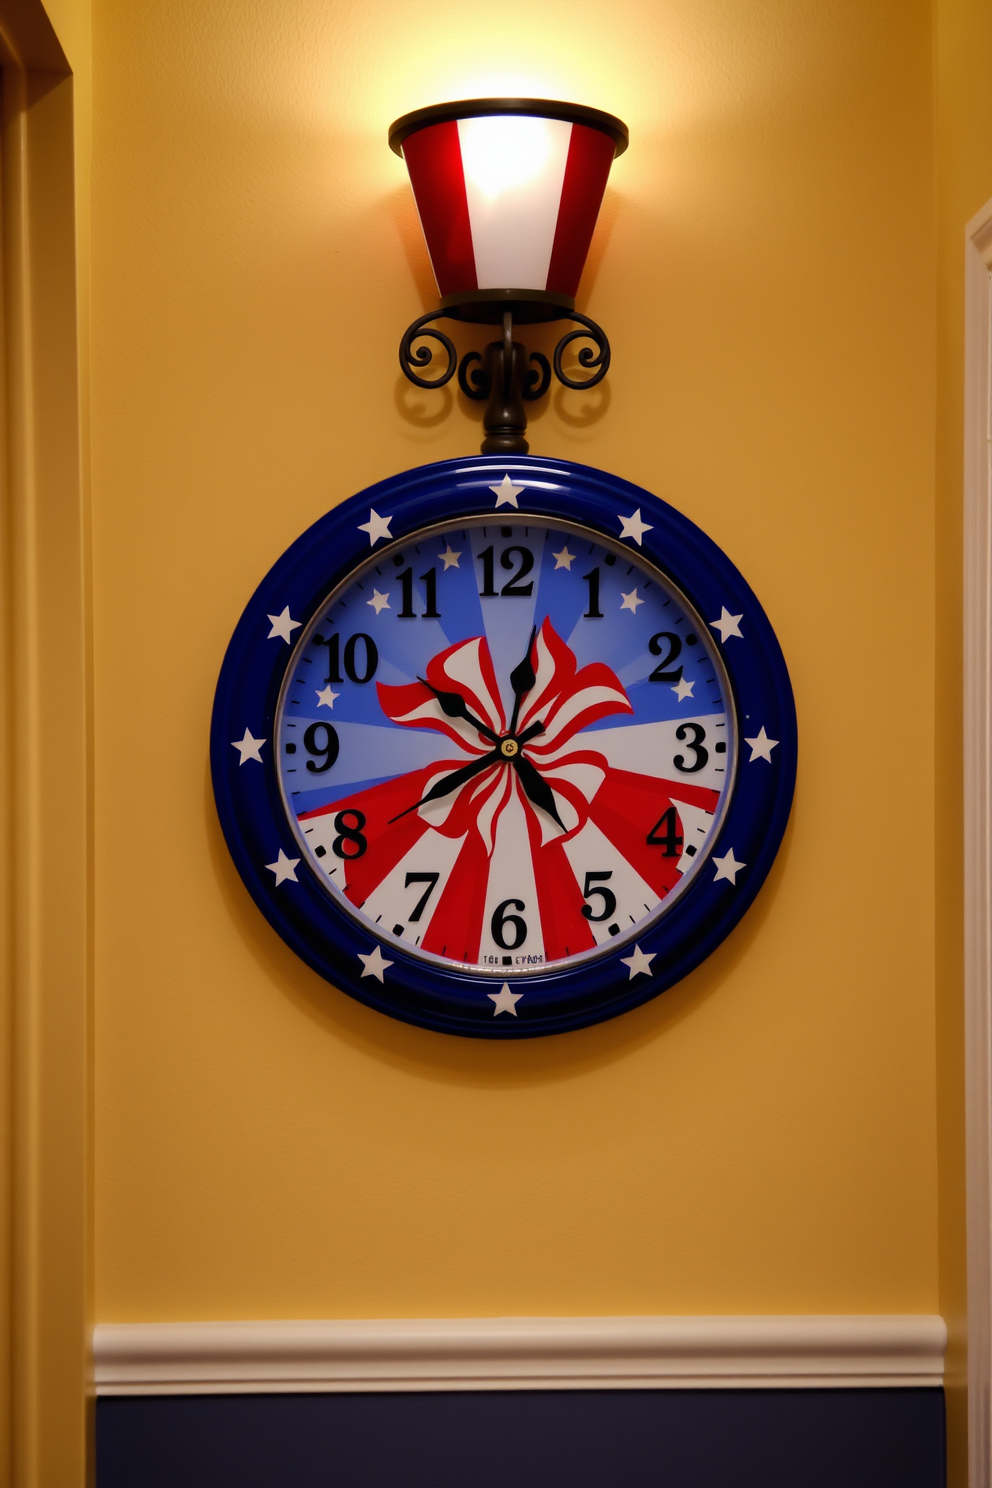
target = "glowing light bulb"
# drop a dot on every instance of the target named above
(502, 152)
(508, 201)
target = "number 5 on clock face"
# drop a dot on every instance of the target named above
(506, 746)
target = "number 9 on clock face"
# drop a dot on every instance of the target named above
(505, 747)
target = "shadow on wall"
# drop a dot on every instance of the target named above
(467, 1061)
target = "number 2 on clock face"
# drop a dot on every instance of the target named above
(506, 746)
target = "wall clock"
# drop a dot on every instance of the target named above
(503, 746)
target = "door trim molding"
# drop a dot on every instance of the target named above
(44, 764)
(978, 837)
(640, 1353)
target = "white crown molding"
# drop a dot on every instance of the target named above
(978, 836)
(518, 1354)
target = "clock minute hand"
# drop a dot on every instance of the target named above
(522, 679)
(453, 705)
(451, 782)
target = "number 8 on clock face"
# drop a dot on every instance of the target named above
(491, 765)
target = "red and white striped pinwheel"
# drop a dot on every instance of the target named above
(460, 699)
(498, 814)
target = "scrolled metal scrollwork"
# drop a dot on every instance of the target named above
(537, 379)
(473, 380)
(506, 374)
(598, 359)
(423, 357)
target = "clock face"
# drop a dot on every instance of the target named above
(503, 747)
(506, 745)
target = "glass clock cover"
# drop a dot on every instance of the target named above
(505, 745)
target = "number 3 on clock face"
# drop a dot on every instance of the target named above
(503, 747)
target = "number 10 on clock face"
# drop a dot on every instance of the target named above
(506, 746)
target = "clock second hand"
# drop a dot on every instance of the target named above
(451, 782)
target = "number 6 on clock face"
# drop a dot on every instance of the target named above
(520, 746)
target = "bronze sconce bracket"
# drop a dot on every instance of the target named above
(506, 374)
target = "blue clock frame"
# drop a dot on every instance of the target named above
(433, 996)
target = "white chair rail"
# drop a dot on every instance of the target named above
(519, 1354)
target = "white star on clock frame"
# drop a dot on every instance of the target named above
(377, 527)
(248, 748)
(506, 492)
(284, 868)
(283, 625)
(761, 746)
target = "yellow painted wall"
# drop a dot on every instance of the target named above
(761, 1138)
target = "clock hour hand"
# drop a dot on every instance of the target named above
(453, 705)
(451, 782)
(522, 679)
(537, 788)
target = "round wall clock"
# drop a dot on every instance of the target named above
(503, 746)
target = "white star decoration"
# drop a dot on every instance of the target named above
(564, 559)
(325, 697)
(506, 495)
(683, 690)
(639, 963)
(504, 1000)
(630, 601)
(379, 602)
(450, 558)
(283, 626)
(284, 869)
(374, 965)
(728, 625)
(376, 527)
(633, 526)
(761, 746)
(728, 867)
(250, 748)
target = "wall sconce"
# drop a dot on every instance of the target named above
(508, 191)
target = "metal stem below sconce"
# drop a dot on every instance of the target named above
(508, 375)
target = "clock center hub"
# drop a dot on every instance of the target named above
(509, 748)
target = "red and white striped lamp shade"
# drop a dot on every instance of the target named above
(508, 191)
